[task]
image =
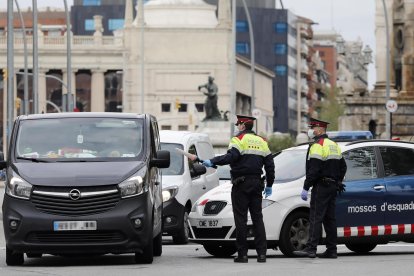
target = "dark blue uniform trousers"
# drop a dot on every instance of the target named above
(322, 211)
(247, 196)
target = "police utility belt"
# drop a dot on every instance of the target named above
(238, 180)
(327, 181)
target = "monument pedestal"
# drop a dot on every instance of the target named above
(219, 133)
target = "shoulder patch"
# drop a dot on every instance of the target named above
(320, 141)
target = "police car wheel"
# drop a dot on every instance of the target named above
(13, 258)
(220, 251)
(181, 237)
(295, 233)
(361, 248)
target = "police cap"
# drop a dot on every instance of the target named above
(242, 119)
(317, 123)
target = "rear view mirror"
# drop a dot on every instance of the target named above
(162, 159)
(197, 170)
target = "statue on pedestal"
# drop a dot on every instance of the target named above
(211, 89)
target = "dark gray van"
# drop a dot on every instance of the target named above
(83, 183)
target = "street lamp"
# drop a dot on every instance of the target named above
(69, 94)
(387, 87)
(10, 70)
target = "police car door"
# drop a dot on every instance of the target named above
(360, 204)
(198, 183)
(399, 179)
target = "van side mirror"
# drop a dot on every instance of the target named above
(197, 170)
(3, 164)
(162, 159)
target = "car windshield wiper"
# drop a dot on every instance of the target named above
(68, 160)
(37, 160)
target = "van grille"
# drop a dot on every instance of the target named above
(214, 207)
(75, 237)
(57, 201)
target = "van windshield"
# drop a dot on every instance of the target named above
(64, 139)
(177, 160)
(290, 165)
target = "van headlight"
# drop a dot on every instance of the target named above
(18, 188)
(133, 186)
(169, 193)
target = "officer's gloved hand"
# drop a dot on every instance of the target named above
(267, 192)
(207, 163)
(340, 188)
(304, 195)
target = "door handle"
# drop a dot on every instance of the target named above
(379, 187)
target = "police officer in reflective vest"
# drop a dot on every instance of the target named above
(247, 154)
(325, 170)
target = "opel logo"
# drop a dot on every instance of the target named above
(74, 194)
(213, 207)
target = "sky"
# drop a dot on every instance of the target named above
(353, 19)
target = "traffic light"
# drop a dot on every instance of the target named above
(177, 104)
(4, 74)
(17, 103)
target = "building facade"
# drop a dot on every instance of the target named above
(109, 72)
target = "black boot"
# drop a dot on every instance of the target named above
(261, 258)
(328, 255)
(306, 252)
(241, 259)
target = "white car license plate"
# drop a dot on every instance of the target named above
(74, 225)
(209, 223)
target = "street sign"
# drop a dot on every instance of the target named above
(391, 106)
(256, 113)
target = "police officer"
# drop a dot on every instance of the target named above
(325, 170)
(247, 154)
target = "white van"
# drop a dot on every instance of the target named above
(184, 181)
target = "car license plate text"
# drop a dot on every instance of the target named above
(208, 223)
(74, 225)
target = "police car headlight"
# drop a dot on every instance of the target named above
(169, 193)
(267, 203)
(18, 188)
(133, 186)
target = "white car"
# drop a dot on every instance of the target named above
(377, 206)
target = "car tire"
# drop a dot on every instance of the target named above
(14, 258)
(181, 237)
(361, 248)
(158, 245)
(220, 251)
(295, 233)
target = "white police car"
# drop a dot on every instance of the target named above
(376, 208)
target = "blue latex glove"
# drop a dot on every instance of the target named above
(207, 163)
(304, 195)
(268, 191)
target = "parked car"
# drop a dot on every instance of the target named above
(350, 135)
(184, 181)
(376, 208)
(83, 183)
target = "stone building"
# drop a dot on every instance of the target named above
(185, 42)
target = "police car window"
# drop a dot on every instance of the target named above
(361, 164)
(397, 161)
(289, 165)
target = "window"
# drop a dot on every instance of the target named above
(280, 70)
(91, 2)
(165, 107)
(183, 127)
(321, 53)
(89, 25)
(361, 164)
(242, 26)
(280, 27)
(280, 49)
(115, 24)
(199, 107)
(397, 161)
(242, 48)
(183, 108)
(177, 160)
(165, 127)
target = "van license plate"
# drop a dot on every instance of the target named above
(74, 225)
(209, 223)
